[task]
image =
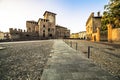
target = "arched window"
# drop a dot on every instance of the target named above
(43, 26)
(29, 29)
(43, 34)
(48, 29)
(43, 31)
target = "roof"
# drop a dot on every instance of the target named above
(98, 17)
(92, 16)
(42, 19)
(49, 12)
(34, 22)
(60, 26)
(31, 21)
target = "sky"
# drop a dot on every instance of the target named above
(72, 14)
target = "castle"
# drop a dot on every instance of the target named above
(45, 28)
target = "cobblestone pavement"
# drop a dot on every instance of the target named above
(106, 55)
(23, 60)
(66, 63)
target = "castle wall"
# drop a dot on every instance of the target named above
(19, 34)
(62, 32)
(51, 17)
(30, 25)
(42, 29)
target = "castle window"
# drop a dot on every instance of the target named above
(16, 33)
(43, 31)
(29, 29)
(43, 26)
(48, 29)
(52, 30)
(43, 34)
(50, 35)
(27, 35)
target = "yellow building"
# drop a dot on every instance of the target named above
(82, 35)
(74, 35)
(92, 24)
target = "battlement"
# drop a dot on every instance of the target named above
(48, 12)
(44, 20)
(15, 30)
(32, 22)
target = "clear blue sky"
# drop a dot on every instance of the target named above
(72, 14)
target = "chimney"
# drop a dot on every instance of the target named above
(98, 14)
(92, 14)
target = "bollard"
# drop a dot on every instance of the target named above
(71, 43)
(88, 51)
(76, 45)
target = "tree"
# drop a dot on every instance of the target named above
(111, 14)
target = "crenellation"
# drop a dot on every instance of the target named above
(19, 30)
(98, 14)
(24, 31)
(15, 29)
(44, 28)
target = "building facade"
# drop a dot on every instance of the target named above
(82, 35)
(92, 24)
(62, 32)
(1, 35)
(44, 28)
(4, 36)
(74, 36)
(47, 28)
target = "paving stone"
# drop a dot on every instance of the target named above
(69, 64)
(24, 60)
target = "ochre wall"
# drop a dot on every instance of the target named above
(113, 34)
(74, 35)
(116, 34)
